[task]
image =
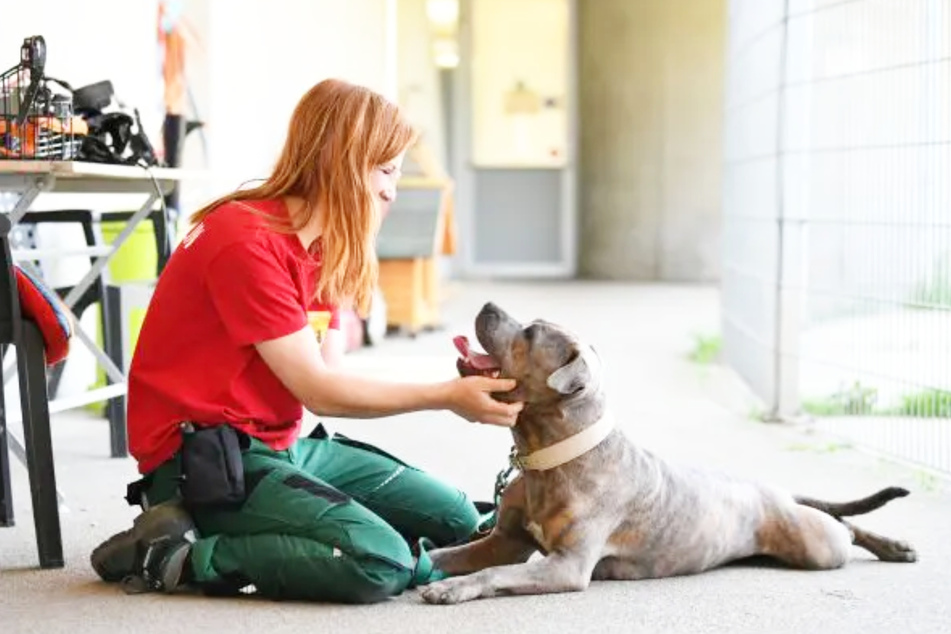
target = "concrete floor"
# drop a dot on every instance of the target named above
(680, 410)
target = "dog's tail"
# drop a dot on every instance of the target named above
(855, 507)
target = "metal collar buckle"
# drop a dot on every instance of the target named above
(515, 460)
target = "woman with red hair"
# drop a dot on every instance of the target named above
(226, 363)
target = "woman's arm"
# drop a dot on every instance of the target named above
(296, 360)
(333, 347)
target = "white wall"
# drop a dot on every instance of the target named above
(263, 55)
(418, 88)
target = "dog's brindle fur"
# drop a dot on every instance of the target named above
(619, 511)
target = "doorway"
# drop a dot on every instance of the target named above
(512, 138)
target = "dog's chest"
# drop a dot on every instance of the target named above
(547, 519)
(538, 534)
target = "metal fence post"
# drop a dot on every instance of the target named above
(789, 312)
(790, 265)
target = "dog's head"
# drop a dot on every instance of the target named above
(549, 363)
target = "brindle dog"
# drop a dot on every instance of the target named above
(618, 511)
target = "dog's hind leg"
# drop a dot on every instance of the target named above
(806, 538)
(855, 507)
(882, 547)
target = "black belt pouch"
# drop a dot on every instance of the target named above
(212, 470)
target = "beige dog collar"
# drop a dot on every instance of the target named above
(565, 450)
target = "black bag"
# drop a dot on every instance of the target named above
(116, 134)
(212, 470)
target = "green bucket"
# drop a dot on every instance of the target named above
(137, 258)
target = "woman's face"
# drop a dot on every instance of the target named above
(383, 179)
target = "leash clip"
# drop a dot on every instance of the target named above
(515, 462)
(504, 477)
(502, 480)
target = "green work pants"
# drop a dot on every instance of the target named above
(329, 519)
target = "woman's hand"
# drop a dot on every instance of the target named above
(471, 398)
(297, 362)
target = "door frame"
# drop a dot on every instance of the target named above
(466, 265)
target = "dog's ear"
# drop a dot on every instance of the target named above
(578, 373)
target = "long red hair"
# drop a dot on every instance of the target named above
(339, 132)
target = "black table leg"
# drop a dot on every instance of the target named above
(6, 495)
(31, 368)
(112, 344)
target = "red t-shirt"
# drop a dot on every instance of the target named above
(233, 281)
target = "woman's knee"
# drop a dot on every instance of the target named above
(446, 523)
(376, 580)
(454, 522)
(379, 560)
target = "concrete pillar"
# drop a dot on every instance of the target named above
(651, 75)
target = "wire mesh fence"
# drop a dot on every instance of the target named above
(837, 217)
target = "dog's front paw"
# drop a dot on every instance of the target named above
(447, 592)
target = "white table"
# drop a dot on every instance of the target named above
(28, 180)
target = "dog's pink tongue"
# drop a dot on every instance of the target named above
(462, 345)
(477, 360)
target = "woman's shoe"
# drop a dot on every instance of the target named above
(155, 533)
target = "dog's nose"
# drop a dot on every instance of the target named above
(489, 315)
(490, 310)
